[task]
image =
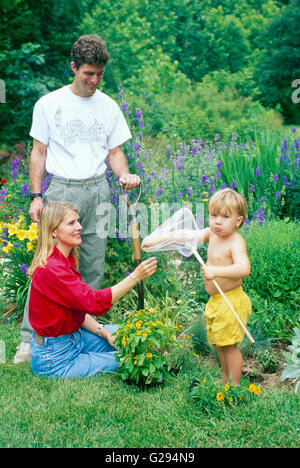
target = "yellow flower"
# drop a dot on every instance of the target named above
(138, 325)
(135, 362)
(145, 334)
(257, 390)
(226, 388)
(220, 396)
(21, 234)
(204, 380)
(8, 247)
(252, 388)
(32, 234)
(12, 229)
(149, 355)
(34, 227)
(30, 246)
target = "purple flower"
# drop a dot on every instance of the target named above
(211, 186)
(24, 269)
(277, 195)
(252, 188)
(204, 179)
(257, 172)
(15, 167)
(219, 164)
(139, 117)
(189, 192)
(276, 177)
(25, 190)
(2, 195)
(124, 107)
(218, 175)
(233, 185)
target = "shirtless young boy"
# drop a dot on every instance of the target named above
(227, 263)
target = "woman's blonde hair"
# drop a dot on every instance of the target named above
(228, 200)
(51, 217)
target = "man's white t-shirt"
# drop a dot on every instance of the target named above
(78, 132)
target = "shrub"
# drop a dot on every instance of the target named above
(273, 250)
(292, 369)
(215, 397)
(17, 244)
(149, 348)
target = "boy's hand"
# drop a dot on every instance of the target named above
(147, 243)
(208, 272)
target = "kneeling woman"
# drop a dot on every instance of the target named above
(67, 341)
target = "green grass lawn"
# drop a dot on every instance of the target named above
(103, 412)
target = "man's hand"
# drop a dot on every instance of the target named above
(36, 209)
(130, 181)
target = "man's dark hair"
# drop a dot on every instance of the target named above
(90, 49)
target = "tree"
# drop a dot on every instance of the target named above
(35, 41)
(279, 62)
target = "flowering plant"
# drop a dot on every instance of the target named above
(148, 348)
(17, 245)
(212, 397)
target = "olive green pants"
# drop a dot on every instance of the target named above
(92, 198)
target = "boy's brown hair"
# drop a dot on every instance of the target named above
(226, 201)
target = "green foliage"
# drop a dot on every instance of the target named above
(281, 38)
(292, 369)
(264, 169)
(214, 398)
(33, 58)
(148, 348)
(157, 49)
(273, 250)
(17, 246)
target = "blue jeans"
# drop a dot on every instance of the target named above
(78, 354)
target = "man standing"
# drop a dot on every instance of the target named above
(74, 130)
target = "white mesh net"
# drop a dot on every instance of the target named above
(179, 233)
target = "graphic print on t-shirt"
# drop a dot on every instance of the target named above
(75, 131)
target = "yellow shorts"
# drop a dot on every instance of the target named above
(223, 329)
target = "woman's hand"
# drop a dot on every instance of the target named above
(107, 336)
(145, 269)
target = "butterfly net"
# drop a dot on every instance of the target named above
(179, 232)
